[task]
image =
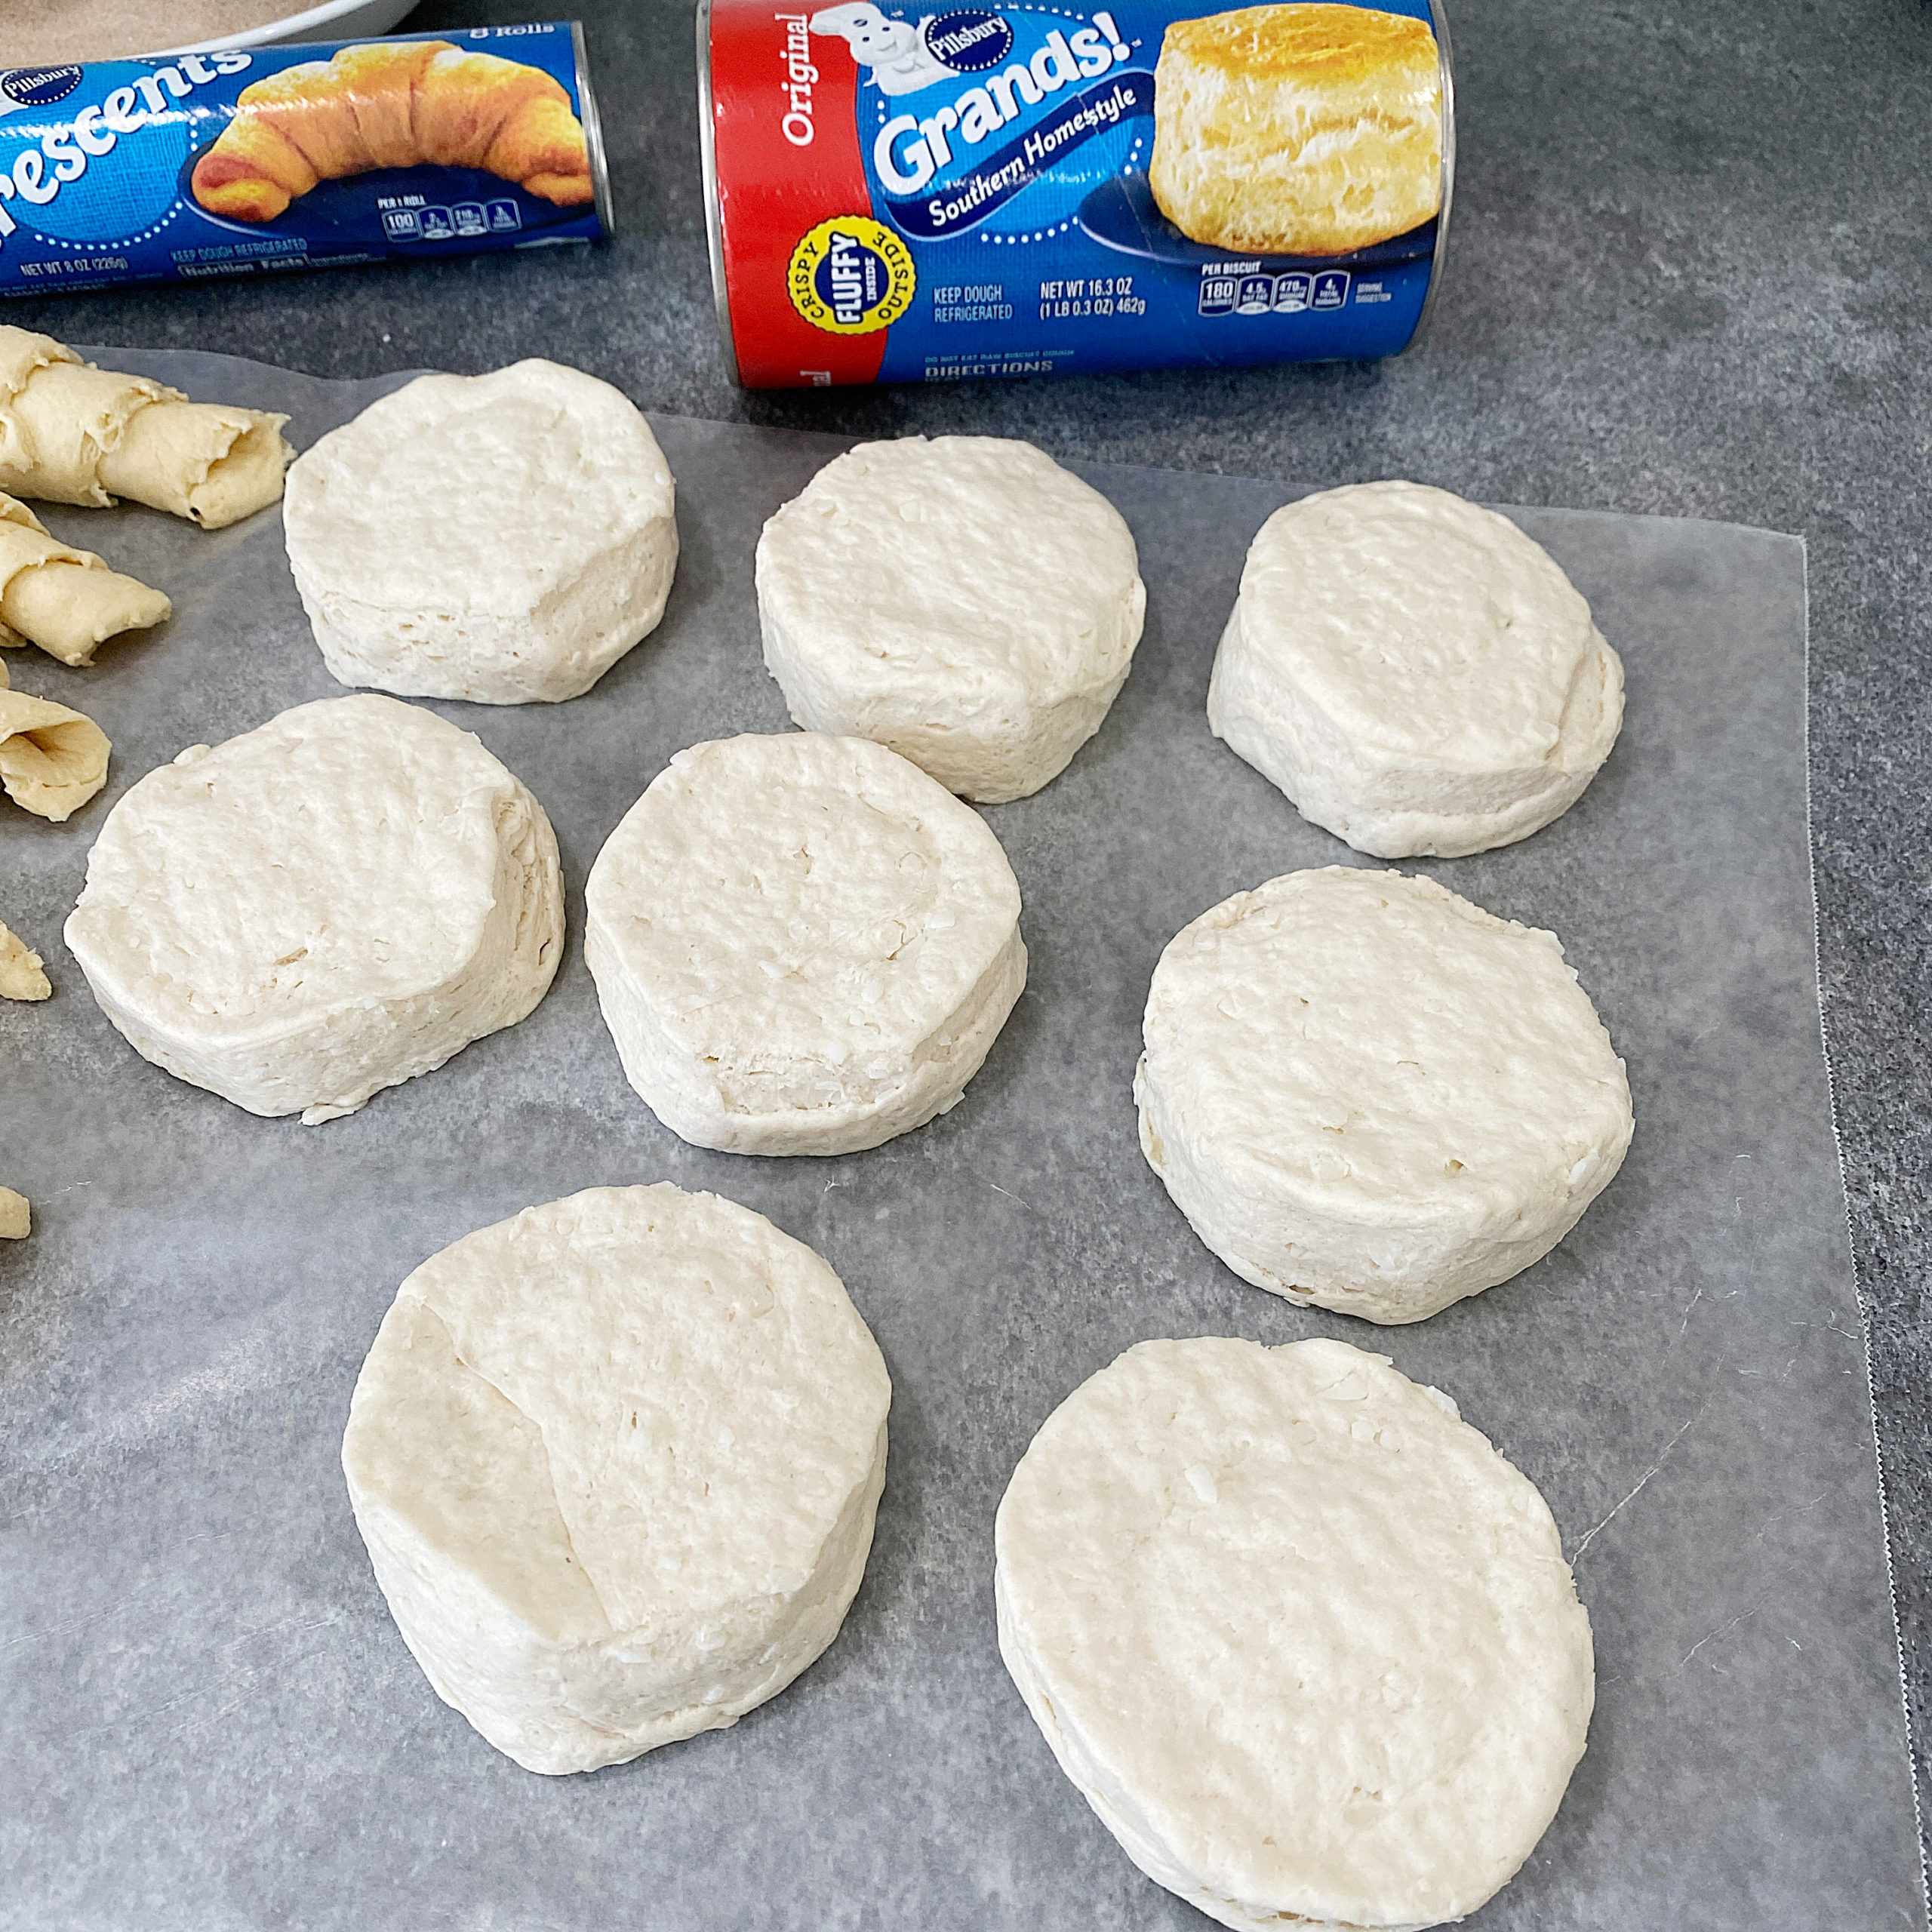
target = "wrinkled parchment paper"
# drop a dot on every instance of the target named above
(208, 1719)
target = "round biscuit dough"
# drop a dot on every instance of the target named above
(965, 600)
(324, 906)
(504, 538)
(1305, 1643)
(1415, 674)
(615, 1462)
(801, 944)
(1367, 1093)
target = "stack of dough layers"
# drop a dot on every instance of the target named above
(616, 1462)
(52, 760)
(966, 601)
(1414, 672)
(66, 601)
(1297, 130)
(70, 433)
(802, 945)
(1305, 1643)
(1366, 1093)
(327, 906)
(504, 538)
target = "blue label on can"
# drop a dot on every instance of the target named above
(248, 162)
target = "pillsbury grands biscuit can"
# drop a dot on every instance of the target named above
(898, 195)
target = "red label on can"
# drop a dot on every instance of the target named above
(784, 115)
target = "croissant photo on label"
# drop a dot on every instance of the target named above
(394, 104)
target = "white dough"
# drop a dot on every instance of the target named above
(504, 538)
(802, 945)
(324, 906)
(1305, 1643)
(1414, 672)
(616, 1461)
(1367, 1093)
(965, 600)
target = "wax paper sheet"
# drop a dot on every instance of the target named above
(208, 1719)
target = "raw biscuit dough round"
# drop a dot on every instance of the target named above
(1416, 675)
(1305, 1643)
(1367, 1093)
(504, 538)
(324, 906)
(964, 600)
(615, 1462)
(801, 944)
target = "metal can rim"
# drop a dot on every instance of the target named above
(593, 133)
(714, 225)
(1439, 25)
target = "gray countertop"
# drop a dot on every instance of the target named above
(1689, 276)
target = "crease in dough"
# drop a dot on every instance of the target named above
(616, 1462)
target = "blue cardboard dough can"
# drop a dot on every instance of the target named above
(252, 162)
(900, 196)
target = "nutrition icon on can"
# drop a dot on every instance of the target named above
(895, 195)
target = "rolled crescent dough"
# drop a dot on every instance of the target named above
(70, 433)
(66, 601)
(53, 760)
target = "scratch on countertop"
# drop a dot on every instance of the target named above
(1722, 1630)
(1633, 1494)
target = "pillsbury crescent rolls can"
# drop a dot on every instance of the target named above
(248, 161)
(899, 195)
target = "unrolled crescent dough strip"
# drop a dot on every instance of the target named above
(70, 433)
(52, 760)
(20, 975)
(66, 601)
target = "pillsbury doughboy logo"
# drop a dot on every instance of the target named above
(39, 86)
(893, 51)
